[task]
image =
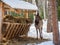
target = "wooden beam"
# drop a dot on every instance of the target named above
(55, 22)
(1, 13)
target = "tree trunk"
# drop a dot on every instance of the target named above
(55, 22)
(33, 2)
(44, 8)
(39, 5)
(49, 23)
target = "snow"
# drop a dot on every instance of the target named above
(19, 4)
(32, 31)
(46, 43)
(44, 31)
(43, 43)
(45, 35)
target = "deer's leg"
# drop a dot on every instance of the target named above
(37, 32)
(40, 32)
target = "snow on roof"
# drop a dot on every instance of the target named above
(19, 4)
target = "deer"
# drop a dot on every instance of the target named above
(38, 25)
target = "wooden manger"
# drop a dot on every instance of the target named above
(13, 30)
(15, 27)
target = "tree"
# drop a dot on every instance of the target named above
(54, 22)
(39, 5)
(58, 9)
(49, 23)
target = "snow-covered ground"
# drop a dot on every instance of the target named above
(47, 43)
(43, 43)
(32, 31)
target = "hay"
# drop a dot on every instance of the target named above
(12, 19)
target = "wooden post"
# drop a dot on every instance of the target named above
(55, 22)
(26, 13)
(1, 4)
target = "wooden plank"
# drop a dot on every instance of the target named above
(8, 26)
(26, 27)
(12, 31)
(22, 32)
(20, 29)
(9, 31)
(1, 13)
(16, 29)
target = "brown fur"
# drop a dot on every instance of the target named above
(39, 26)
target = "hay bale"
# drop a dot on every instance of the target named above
(8, 18)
